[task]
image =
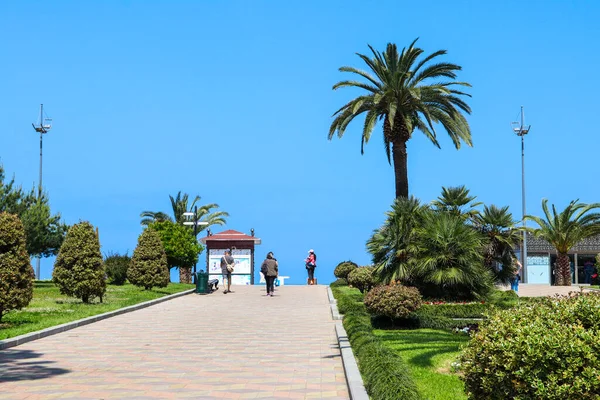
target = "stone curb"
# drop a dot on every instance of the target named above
(333, 305)
(28, 337)
(354, 381)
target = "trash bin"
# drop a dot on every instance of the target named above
(201, 282)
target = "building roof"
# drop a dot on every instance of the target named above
(230, 236)
(537, 245)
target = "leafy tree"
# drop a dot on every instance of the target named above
(564, 230)
(44, 232)
(148, 267)
(393, 246)
(180, 245)
(116, 266)
(79, 270)
(405, 94)
(457, 201)
(16, 274)
(179, 205)
(500, 234)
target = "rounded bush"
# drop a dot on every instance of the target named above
(339, 282)
(362, 278)
(148, 267)
(116, 266)
(548, 350)
(79, 270)
(343, 269)
(16, 273)
(393, 301)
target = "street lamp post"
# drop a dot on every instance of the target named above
(44, 126)
(522, 130)
(195, 223)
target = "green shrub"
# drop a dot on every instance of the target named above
(393, 301)
(79, 270)
(148, 267)
(16, 273)
(116, 266)
(362, 278)
(547, 350)
(385, 374)
(344, 268)
(339, 282)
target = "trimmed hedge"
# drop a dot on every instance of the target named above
(339, 282)
(394, 301)
(344, 268)
(385, 374)
(362, 278)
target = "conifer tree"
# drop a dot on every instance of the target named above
(16, 273)
(148, 267)
(79, 269)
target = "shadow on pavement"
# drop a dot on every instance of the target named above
(20, 365)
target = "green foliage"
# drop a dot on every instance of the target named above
(148, 267)
(16, 274)
(339, 282)
(549, 350)
(179, 244)
(393, 301)
(384, 373)
(44, 232)
(344, 268)
(79, 270)
(458, 202)
(362, 278)
(565, 229)
(405, 94)
(116, 266)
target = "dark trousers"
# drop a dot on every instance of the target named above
(311, 273)
(270, 283)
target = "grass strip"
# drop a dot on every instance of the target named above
(50, 308)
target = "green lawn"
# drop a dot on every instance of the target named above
(429, 353)
(49, 308)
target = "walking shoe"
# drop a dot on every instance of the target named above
(225, 291)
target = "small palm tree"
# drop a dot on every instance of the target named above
(450, 260)
(457, 201)
(564, 230)
(393, 245)
(500, 234)
(405, 94)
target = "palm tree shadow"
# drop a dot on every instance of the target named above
(20, 365)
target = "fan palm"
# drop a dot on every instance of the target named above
(457, 201)
(393, 245)
(450, 261)
(500, 234)
(564, 230)
(405, 94)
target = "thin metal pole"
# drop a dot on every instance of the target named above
(38, 259)
(195, 232)
(524, 261)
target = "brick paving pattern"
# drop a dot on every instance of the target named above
(242, 345)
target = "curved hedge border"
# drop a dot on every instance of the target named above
(385, 374)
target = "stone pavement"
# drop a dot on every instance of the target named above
(540, 290)
(242, 345)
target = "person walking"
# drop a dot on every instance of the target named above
(227, 264)
(270, 269)
(311, 264)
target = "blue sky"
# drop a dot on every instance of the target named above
(232, 101)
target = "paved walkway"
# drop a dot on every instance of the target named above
(242, 345)
(540, 290)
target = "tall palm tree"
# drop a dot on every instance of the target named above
(406, 94)
(180, 205)
(564, 230)
(500, 233)
(457, 201)
(393, 245)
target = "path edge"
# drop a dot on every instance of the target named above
(53, 330)
(354, 381)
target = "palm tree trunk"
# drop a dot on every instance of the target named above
(400, 167)
(563, 275)
(185, 274)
